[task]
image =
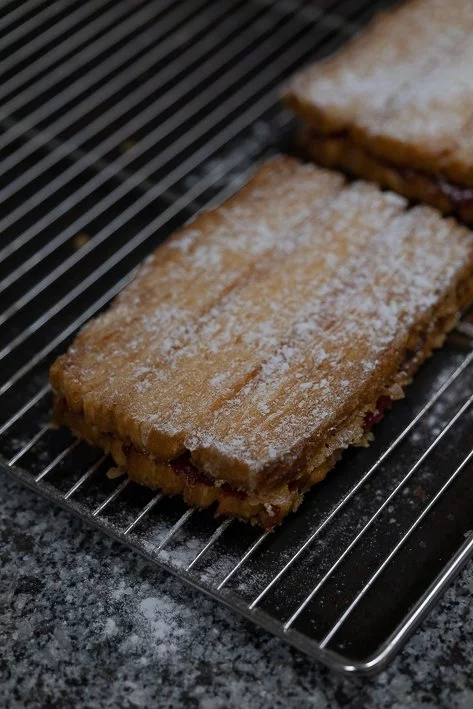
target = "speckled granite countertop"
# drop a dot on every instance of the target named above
(86, 623)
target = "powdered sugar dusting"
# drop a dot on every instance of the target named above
(247, 343)
(379, 294)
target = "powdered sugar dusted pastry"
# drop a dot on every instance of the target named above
(264, 338)
(396, 104)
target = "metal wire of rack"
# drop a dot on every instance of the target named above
(118, 122)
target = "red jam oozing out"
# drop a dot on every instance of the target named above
(276, 513)
(372, 417)
(184, 467)
(229, 491)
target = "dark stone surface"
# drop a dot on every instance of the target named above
(86, 623)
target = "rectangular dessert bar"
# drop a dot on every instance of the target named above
(395, 105)
(265, 338)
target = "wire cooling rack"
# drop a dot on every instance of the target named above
(119, 120)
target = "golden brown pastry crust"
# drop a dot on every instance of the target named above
(401, 93)
(260, 338)
(266, 509)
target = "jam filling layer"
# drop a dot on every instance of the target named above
(460, 196)
(373, 417)
(183, 467)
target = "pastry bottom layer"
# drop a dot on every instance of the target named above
(269, 507)
(339, 151)
(181, 477)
